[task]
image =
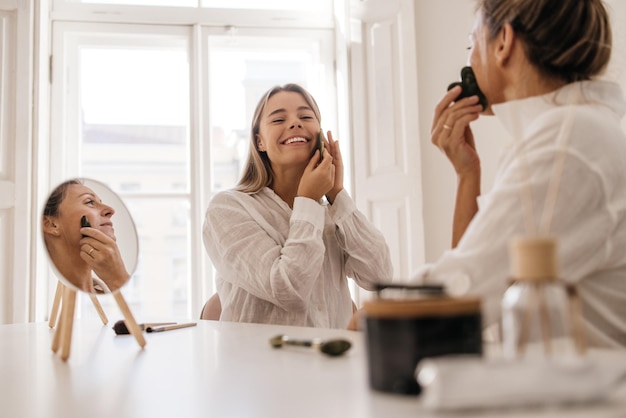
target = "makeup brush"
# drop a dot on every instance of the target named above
(154, 328)
(121, 329)
(334, 347)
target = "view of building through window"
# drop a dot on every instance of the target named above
(134, 135)
(135, 124)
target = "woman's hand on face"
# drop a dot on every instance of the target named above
(101, 253)
(335, 152)
(451, 132)
(317, 179)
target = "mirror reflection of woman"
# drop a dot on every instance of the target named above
(78, 252)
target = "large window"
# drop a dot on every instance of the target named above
(161, 114)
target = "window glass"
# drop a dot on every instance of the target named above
(300, 5)
(160, 286)
(134, 113)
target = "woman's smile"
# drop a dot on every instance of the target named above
(296, 140)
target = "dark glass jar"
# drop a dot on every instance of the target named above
(401, 332)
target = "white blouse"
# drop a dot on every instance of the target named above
(282, 266)
(579, 125)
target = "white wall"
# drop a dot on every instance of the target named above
(617, 68)
(442, 29)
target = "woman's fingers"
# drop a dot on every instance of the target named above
(448, 113)
(444, 104)
(88, 249)
(452, 123)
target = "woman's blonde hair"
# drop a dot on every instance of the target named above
(570, 39)
(257, 172)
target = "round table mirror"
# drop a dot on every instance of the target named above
(90, 236)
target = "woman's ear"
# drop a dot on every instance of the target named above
(50, 226)
(506, 41)
(259, 144)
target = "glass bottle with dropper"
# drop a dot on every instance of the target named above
(541, 314)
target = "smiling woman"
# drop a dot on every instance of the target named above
(282, 254)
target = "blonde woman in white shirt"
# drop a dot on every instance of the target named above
(282, 254)
(537, 64)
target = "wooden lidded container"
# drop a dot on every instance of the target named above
(401, 332)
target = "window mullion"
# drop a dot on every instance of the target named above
(199, 173)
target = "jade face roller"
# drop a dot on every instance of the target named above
(469, 86)
(333, 348)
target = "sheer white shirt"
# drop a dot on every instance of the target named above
(581, 122)
(289, 266)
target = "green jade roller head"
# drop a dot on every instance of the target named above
(84, 223)
(319, 145)
(469, 86)
(331, 347)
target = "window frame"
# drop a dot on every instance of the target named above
(198, 25)
(63, 10)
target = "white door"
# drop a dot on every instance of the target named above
(15, 157)
(385, 127)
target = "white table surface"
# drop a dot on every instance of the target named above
(216, 369)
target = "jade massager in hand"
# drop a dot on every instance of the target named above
(469, 86)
